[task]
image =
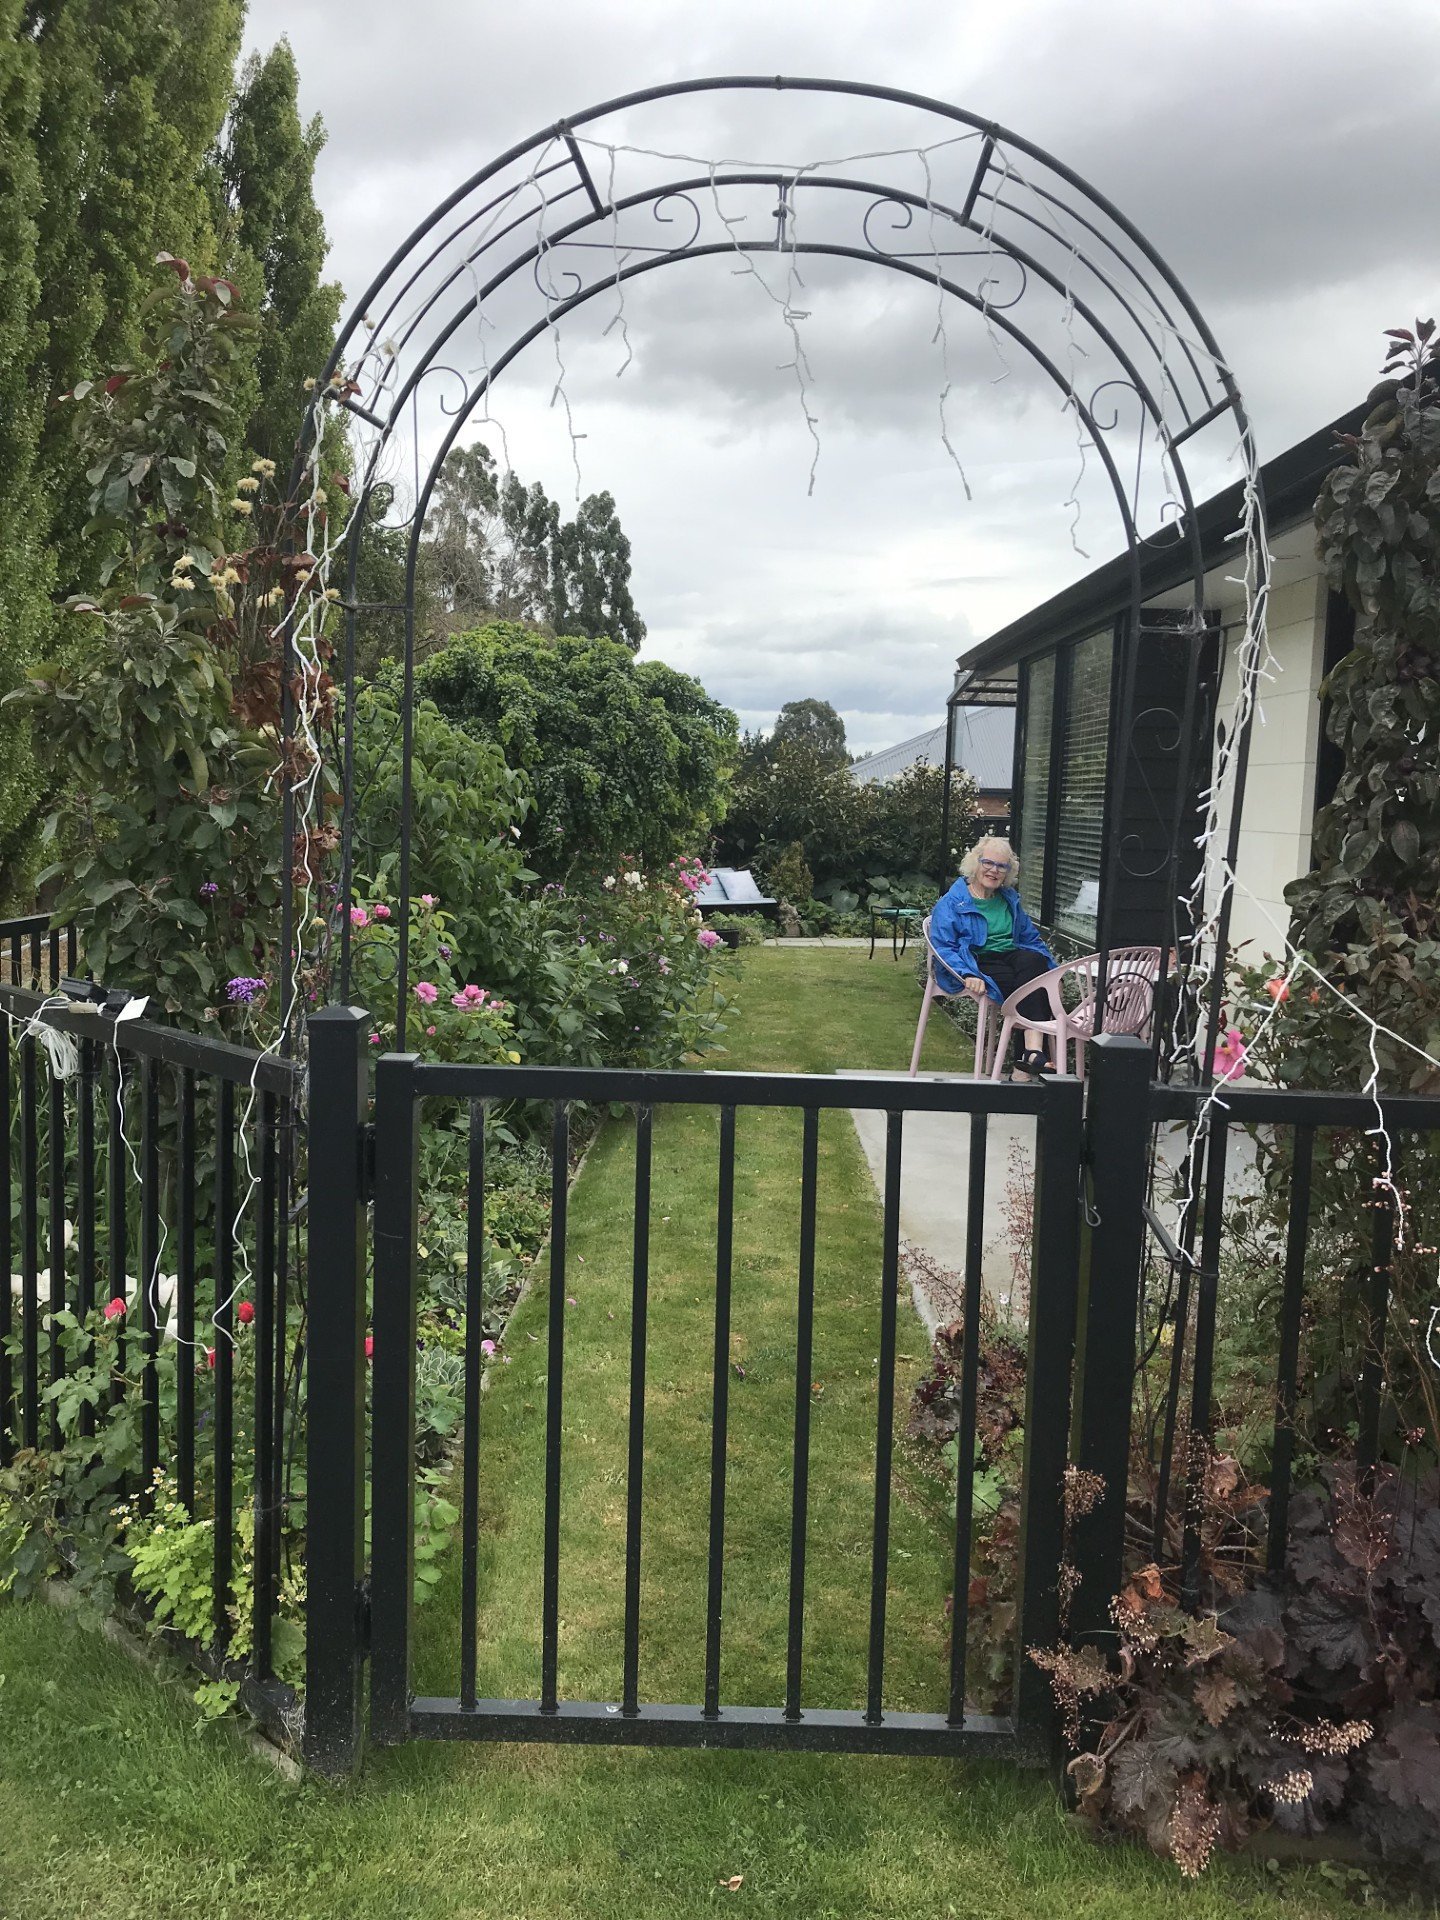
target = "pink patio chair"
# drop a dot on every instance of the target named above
(1131, 980)
(933, 991)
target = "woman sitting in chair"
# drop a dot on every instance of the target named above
(986, 944)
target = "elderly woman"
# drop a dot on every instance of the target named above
(986, 944)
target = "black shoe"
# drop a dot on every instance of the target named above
(1033, 1060)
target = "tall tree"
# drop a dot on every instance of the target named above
(813, 723)
(497, 549)
(24, 563)
(108, 109)
(266, 171)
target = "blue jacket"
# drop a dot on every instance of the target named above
(957, 933)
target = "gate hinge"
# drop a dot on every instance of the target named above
(367, 1161)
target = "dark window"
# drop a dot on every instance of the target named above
(1039, 698)
(1079, 828)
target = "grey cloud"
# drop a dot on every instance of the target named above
(1279, 158)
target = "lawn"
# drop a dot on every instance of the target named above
(113, 1803)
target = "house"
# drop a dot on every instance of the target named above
(1076, 784)
(982, 744)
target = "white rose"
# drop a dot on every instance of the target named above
(609, 881)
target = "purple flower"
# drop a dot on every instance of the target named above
(209, 890)
(444, 953)
(242, 990)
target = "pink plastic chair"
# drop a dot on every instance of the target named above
(1131, 979)
(932, 992)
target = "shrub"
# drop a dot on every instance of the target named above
(748, 928)
(621, 754)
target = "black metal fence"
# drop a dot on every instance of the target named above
(157, 1169)
(144, 1174)
(35, 954)
(402, 1083)
(1128, 1235)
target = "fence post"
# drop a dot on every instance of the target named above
(392, 1383)
(1053, 1279)
(1118, 1131)
(335, 1395)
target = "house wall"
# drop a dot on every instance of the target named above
(1280, 786)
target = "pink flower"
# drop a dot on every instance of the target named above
(359, 917)
(374, 1039)
(245, 1312)
(431, 1032)
(369, 1346)
(427, 899)
(474, 995)
(708, 938)
(487, 1347)
(458, 1000)
(1231, 1054)
(1278, 988)
(425, 993)
(381, 911)
(115, 1310)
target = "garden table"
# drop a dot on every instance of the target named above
(899, 918)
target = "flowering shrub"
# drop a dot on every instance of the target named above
(163, 712)
(449, 1020)
(622, 978)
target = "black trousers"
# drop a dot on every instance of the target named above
(1012, 970)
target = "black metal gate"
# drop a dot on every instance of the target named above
(403, 1083)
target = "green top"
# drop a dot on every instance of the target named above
(999, 923)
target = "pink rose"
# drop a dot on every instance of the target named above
(115, 1310)
(431, 1032)
(425, 993)
(487, 1347)
(458, 1000)
(427, 899)
(381, 911)
(359, 917)
(474, 995)
(369, 1346)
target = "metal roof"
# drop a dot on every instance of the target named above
(984, 748)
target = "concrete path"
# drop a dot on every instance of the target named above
(934, 1195)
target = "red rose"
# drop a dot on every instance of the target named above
(245, 1312)
(115, 1309)
(369, 1346)
(210, 1357)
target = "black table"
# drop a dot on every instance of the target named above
(899, 918)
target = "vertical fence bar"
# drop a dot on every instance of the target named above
(185, 1294)
(1117, 1131)
(9, 1423)
(1202, 1367)
(800, 1480)
(470, 1444)
(29, 1250)
(279, 1457)
(392, 1389)
(720, 1408)
(71, 948)
(223, 1370)
(150, 1276)
(1288, 1365)
(335, 1383)
(1377, 1305)
(884, 1419)
(1053, 1289)
(116, 1224)
(635, 1463)
(56, 1303)
(54, 979)
(85, 1202)
(554, 1408)
(263, 1582)
(965, 1438)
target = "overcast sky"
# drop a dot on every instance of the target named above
(1281, 156)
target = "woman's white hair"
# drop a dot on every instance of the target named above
(972, 859)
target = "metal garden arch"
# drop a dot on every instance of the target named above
(991, 221)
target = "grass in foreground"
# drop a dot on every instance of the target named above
(114, 1804)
